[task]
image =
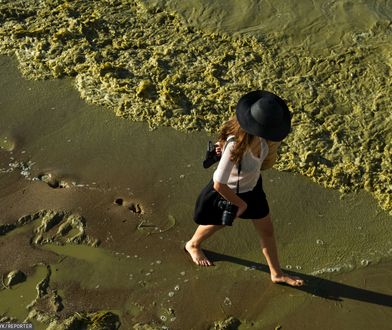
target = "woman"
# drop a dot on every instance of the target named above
(249, 143)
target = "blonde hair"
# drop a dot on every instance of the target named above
(243, 139)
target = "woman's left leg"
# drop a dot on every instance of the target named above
(265, 229)
(193, 246)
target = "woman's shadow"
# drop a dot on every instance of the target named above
(314, 285)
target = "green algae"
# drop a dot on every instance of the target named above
(100, 320)
(79, 320)
(70, 229)
(53, 226)
(54, 231)
(144, 326)
(230, 323)
(147, 64)
(15, 301)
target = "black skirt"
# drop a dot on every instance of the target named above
(207, 211)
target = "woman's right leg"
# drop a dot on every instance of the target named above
(265, 229)
(193, 246)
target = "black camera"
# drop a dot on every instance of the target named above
(229, 212)
(211, 156)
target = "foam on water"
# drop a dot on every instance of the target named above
(147, 64)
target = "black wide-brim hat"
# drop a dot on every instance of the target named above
(264, 114)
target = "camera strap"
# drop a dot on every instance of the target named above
(238, 178)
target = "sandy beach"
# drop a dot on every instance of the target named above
(101, 153)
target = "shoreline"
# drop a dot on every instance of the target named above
(149, 63)
(140, 212)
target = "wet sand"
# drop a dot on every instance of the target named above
(101, 208)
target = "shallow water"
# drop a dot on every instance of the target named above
(186, 65)
(14, 301)
(320, 26)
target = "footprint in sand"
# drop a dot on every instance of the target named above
(131, 206)
(52, 181)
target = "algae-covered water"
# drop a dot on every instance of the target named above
(185, 64)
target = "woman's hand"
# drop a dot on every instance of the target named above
(231, 196)
(218, 148)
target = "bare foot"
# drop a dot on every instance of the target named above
(197, 255)
(287, 279)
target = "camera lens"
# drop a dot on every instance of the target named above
(227, 218)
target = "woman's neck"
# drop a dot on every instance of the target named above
(255, 147)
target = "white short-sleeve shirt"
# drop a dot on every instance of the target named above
(227, 171)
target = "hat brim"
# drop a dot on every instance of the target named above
(251, 126)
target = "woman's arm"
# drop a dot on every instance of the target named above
(230, 196)
(221, 177)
